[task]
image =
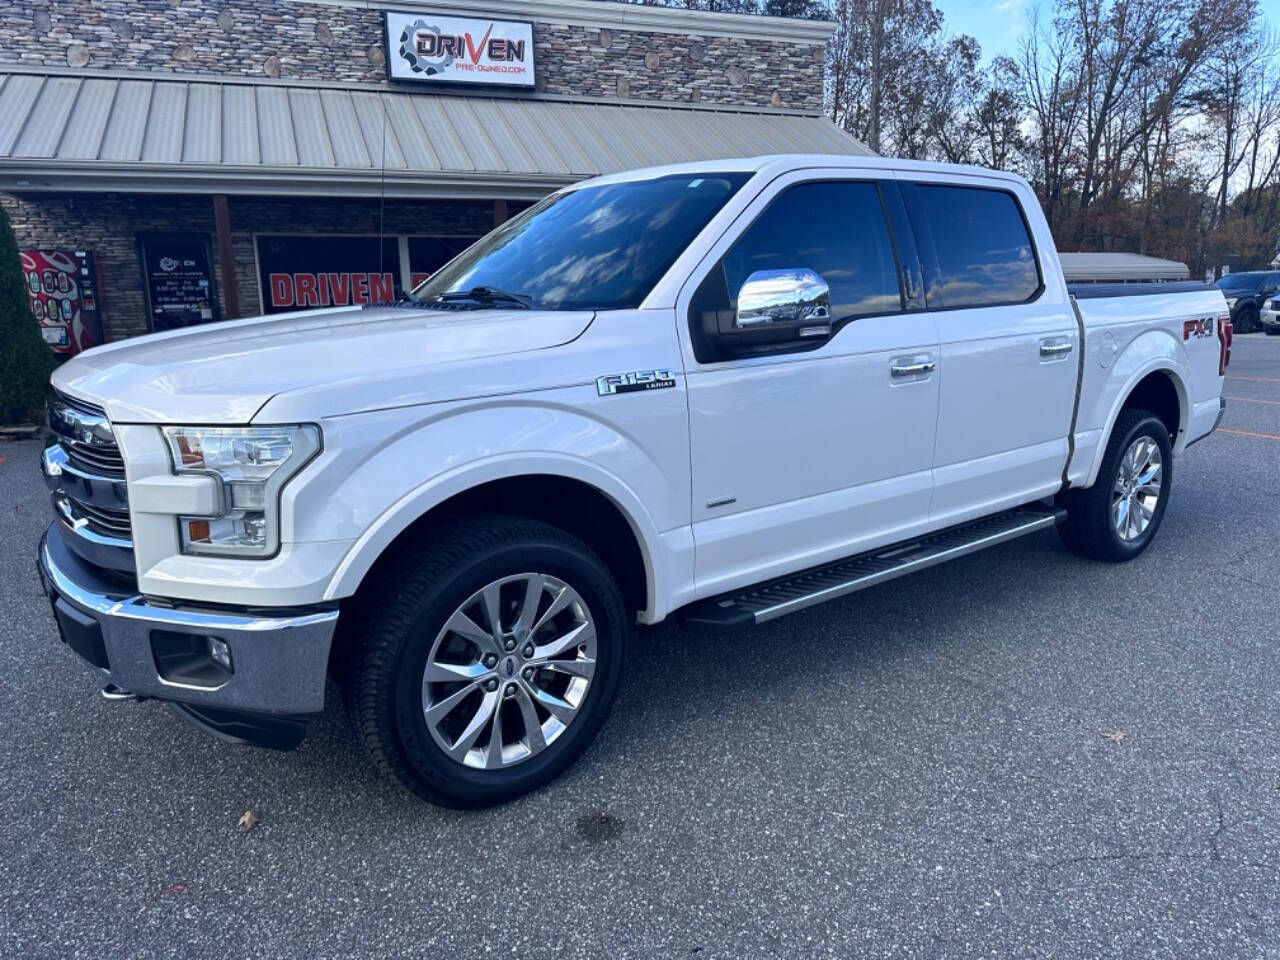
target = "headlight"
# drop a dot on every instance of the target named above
(1231, 302)
(252, 464)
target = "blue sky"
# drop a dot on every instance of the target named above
(1000, 24)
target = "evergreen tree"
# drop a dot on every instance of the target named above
(25, 360)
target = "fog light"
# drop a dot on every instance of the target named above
(220, 652)
(191, 659)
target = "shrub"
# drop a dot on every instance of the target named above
(25, 360)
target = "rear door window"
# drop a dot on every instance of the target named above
(975, 245)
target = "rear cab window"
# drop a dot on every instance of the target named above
(975, 246)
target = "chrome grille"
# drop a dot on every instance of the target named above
(85, 434)
(95, 459)
(85, 471)
(104, 521)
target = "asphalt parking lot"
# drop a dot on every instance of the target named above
(917, 771)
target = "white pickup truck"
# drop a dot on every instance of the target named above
(725, 391)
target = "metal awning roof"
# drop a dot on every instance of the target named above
(165, 134)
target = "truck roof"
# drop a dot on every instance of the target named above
(779, 163)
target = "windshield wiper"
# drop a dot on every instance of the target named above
(486, 294)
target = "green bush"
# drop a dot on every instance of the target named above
(25, 360)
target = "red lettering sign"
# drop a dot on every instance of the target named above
(339, 288)
(381, 289)
(304, 287)
(474, 51)
(281, 290)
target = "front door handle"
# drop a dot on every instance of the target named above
(913, 368)
(1055, 347)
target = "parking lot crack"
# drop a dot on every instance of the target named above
(1214, 853)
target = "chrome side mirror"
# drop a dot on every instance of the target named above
(792, 296)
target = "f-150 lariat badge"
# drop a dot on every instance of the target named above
(634, 380)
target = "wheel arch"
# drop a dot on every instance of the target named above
(1158, 386)
(574, 495)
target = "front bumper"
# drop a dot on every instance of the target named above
(1270, 319)
(279, 659)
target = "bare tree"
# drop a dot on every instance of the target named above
(953, 100)
(1054, 97)
(1148, 125)
(999, 117)
(880, 63)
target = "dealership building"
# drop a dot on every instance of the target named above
(171, 162)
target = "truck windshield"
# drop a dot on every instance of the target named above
(596, 248)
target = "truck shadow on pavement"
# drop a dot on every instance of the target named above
(689, 695)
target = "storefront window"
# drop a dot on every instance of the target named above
(429, 254)
(179, 280)
(303, 272)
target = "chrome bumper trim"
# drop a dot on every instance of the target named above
(281, 662)
(111, 553)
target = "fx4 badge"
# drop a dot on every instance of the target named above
(1203, 327)
(633, 381)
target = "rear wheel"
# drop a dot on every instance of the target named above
(1118, 516)
(1248, 320)
(490, 661)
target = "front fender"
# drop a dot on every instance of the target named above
(429, 456)
(1105, 389)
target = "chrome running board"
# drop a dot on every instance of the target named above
(777, 598)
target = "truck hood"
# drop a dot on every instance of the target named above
(224, 373)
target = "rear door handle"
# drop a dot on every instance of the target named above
(1055, 347)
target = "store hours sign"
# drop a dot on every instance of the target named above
(433, 49)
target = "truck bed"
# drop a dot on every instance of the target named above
(1131, 331)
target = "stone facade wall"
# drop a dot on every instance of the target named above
(109, 225)
(277, 38)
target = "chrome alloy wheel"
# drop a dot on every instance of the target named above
(509, 671)
(1137, 490)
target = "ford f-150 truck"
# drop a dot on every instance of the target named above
(724, 391)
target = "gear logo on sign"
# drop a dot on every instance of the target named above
(418, 62)
(168, 264)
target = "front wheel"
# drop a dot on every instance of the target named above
(1117, 518)
(485, 660)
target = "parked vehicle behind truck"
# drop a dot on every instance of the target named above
(1248, 295)
(723, 391)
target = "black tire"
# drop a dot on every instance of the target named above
(397, 617)
(1248, 320)
(1088, 529)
